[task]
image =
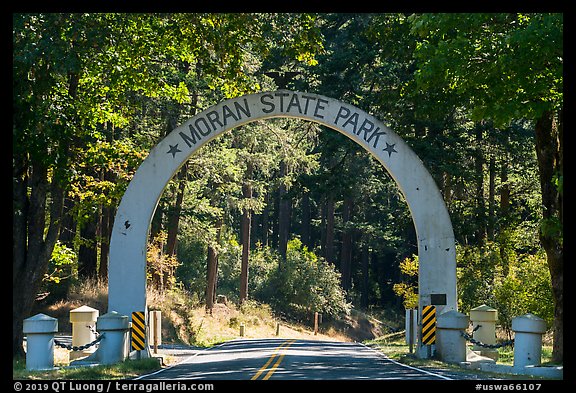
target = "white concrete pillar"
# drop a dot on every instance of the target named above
(83, 321)
(483, 320)
(450, 344)
(39, 331)
(528, 330)
(116, 330)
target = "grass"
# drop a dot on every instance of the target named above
(184, 321)
(396, 348)
(125, 370)
(506, 356)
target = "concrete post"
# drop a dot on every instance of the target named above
(83, 321)
(411, 326)
(484, 317)
(528, 330)
(40, 330)
(155, 330)
(114, 346)
(450, 344)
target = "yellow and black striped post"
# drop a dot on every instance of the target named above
(428, 325)
(138, 331)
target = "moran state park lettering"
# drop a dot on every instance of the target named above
(282, 103)
(293, 103)
(204, 125)
(359, 126)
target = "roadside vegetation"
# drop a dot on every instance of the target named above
(276, 220)
(186, 321)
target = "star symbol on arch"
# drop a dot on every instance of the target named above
(173, 150)
(390, 149)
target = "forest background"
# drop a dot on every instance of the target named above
(284, 211)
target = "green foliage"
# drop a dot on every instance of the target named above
(407, 290)
(306, 283)
(192, 270)
(516, 285)
(92, 93)
(263, 263)
(229, 262)
(525, 289)
(59, 266)
(490, 61)
(303, 283)
(161, 267)
(552, 227)
(476, 272)
(60, 272)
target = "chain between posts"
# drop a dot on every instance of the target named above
(81, 347)
(481, 344)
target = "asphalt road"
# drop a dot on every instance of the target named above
(289, 359)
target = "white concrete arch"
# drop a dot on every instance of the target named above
(436, 247)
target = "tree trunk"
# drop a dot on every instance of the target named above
(245, 255)
(329, 242)
(306, 230)
(157, 219)
(284, 210)
(504, 212)
(246, 227)
(88, 251)
(107, 218)
(265, 221)
(365, 293)
(32, 243)
(33, 240)
(211, 273)
(491, 196)
(68, 226)
(67, 235)
(212, 270)
(106, 223)
(346, 252)
(550, 164)
(174, 215)
(479, 173)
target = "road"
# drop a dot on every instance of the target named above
(289, 359)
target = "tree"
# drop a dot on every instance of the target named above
(306, 283)
(507, 67)
(76, 74)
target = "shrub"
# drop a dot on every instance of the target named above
(305, 282)
(408, 290)
(516, 285)
(525, 289)
(57, 280)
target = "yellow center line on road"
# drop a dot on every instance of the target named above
(267, 364)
